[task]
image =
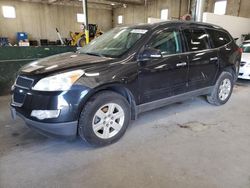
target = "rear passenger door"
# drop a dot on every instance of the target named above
(222, 41)
(203, 60)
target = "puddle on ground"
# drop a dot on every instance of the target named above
(195, 126)
(15, 134)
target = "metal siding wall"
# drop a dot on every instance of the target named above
(234, 7)
(41, 20)
(135, 14)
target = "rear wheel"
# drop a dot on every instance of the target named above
(104, 118)
(222, 89)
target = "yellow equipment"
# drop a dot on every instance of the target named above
(78, 38)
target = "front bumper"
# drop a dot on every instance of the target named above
(65, 129)
(24, 101)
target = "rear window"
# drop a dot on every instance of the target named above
(245, 48)
(219, 38)
(197, 39)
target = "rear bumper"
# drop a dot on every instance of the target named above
(61, 130)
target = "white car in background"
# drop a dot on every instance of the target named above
(244, 72)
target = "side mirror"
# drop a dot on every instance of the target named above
(150, 53)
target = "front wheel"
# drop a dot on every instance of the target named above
(104, 118)
(222, 89)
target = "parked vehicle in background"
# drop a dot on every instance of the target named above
(96, 91)
(246, 42)
(244, 72)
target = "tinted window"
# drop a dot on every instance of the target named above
(196, 39)
(245, 48)
(167, 42)
(219, 38)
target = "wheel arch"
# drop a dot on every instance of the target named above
(117, 88)
(233, 70)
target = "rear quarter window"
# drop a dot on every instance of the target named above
(219, 38)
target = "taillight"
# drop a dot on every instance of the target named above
(240, 50)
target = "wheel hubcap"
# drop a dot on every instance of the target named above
(224, 89)
(108, 120)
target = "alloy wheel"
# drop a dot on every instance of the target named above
(225, 89)
(108, 120)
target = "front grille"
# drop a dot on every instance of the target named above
(242, 63)
(24, 82)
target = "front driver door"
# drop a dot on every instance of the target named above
(165, 76)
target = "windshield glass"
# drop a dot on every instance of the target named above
(246, 48)
(114, 43)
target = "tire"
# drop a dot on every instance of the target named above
(222, 89)
(81, 42)
(237, 70)
(99, 125)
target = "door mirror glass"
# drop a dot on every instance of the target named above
(150, 53)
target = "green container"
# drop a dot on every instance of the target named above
(13, 58)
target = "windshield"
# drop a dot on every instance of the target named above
(246, 48)
(114, 43)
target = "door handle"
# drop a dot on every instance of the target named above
(213, 58)
(182, 64)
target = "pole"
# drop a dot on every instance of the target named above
(189, 7)
(59, 36)
(85, 11)
(180, 2)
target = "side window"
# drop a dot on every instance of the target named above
(197, 39)
(219, 38)
(168, 42)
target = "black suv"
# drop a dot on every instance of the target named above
(96, 91)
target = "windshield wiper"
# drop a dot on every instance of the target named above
(95, 54)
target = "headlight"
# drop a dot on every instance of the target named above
(59, 82)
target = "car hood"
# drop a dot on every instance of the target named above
(245, 57)
(61, 62)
